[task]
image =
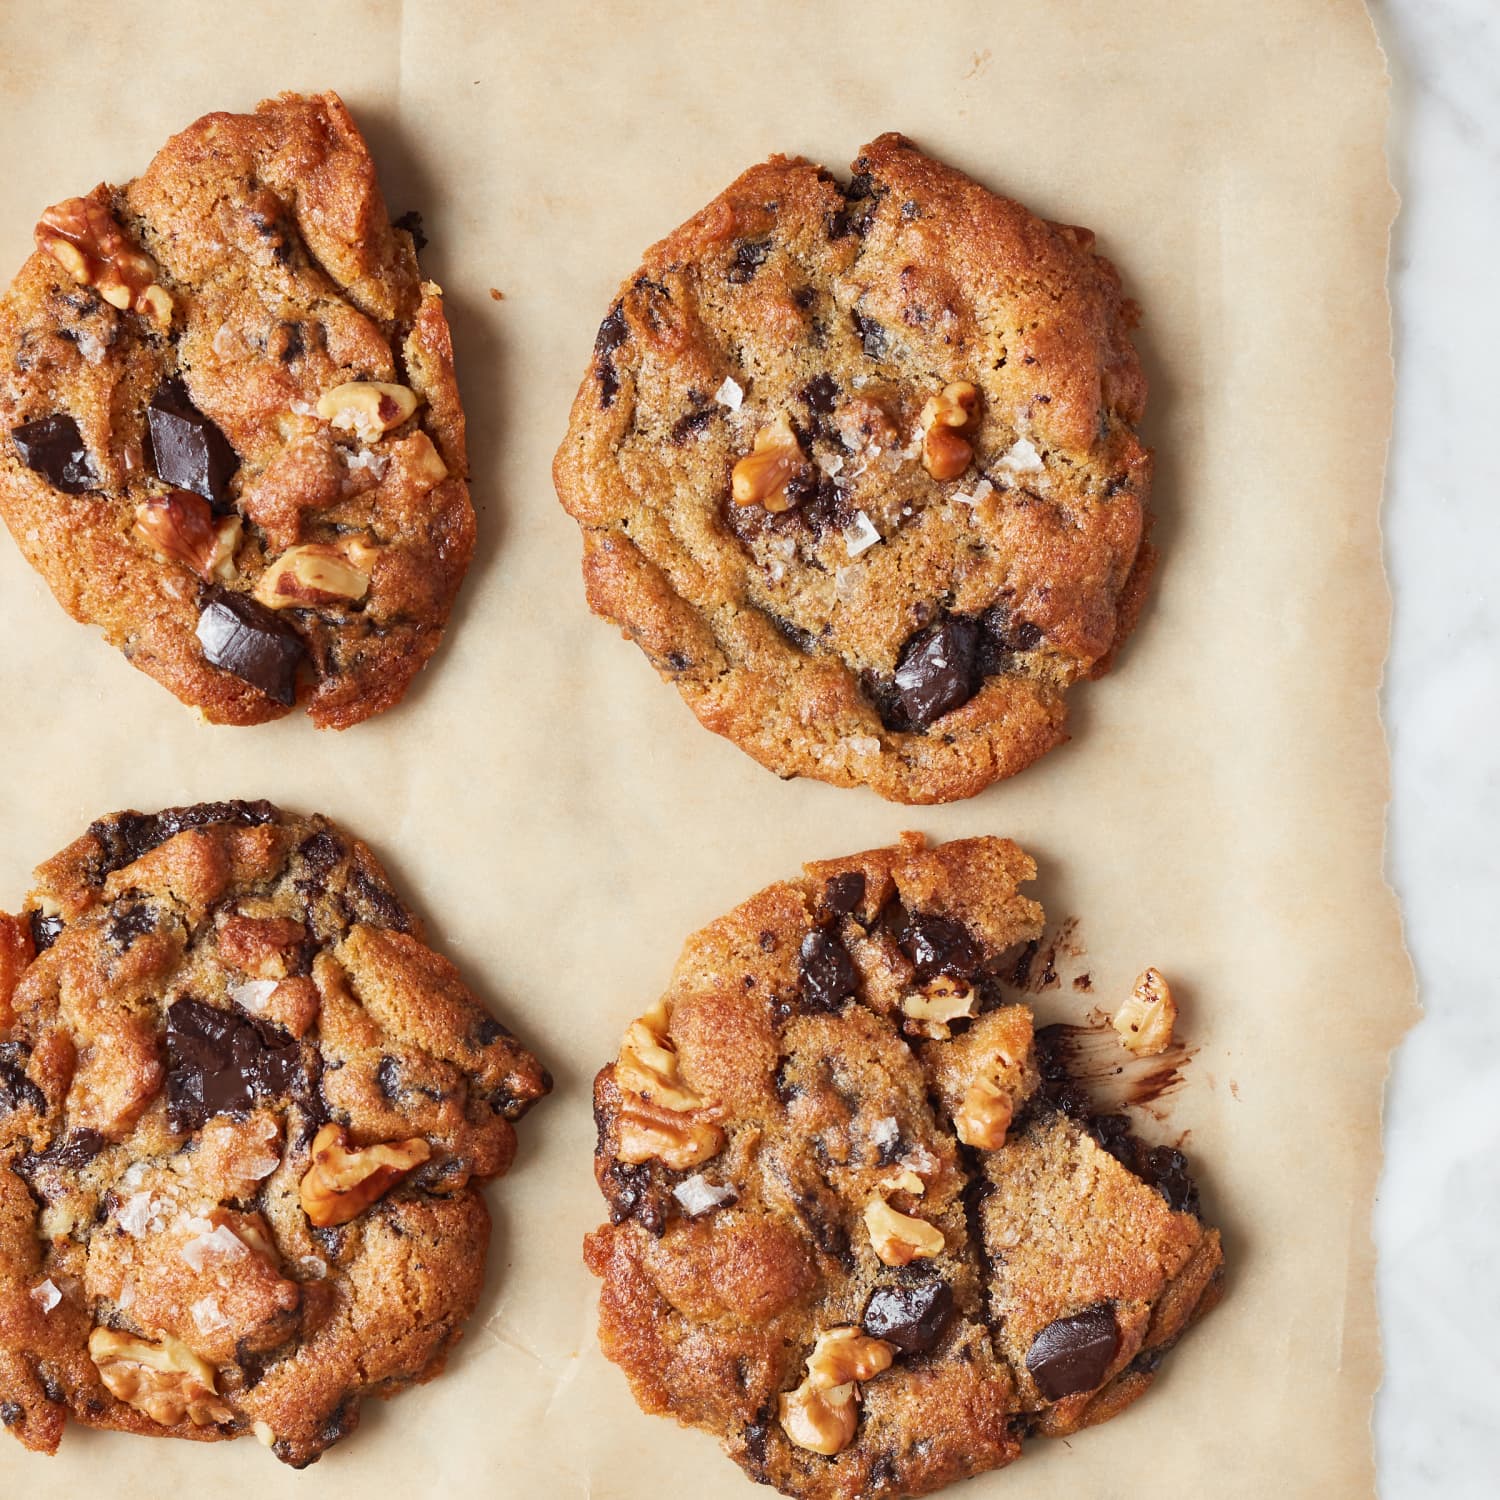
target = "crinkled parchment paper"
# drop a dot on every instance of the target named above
(562, 821)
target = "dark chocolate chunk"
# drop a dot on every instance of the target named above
(223, 1062)
(821, 393)
(54, 448)
(377, 904)
(17, 1091)
(1073, 1354)
(322, 851)
(242, 636)
(748, 256)
(871, 335)
(911, 209)
(910, 1316)
(843, 893)
(127, 836)
(827, 973)
(187, 448)
(411, 222)
(129, 922)
(489, 1031)
(938, 945)
(12, 1413)
(613, 332)
(44, 930)
(935, 671)
(689, 423)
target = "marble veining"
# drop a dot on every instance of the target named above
(1437, 1218)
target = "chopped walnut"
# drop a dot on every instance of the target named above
(344, 1180)
(946, 454)
(984, 1116)
(820, 1415)
(899, 1238)
(647, 1130)
(181, 527)
(165, 1380)
(316, 573)
(762, 476)
(1146, 1019)
(940, 1001)
(660, 1115)
(85, 240)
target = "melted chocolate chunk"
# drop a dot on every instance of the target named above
(748, 257)
(910, 1316)
(129, 922)
(1073, 1354)
(377, 904)
(938, 945)
(223, 1062)
(689, 423)
(871, 335)
(12, 1413)
(45, 930)
(613, 332)
(935, 671)
(187, 448)
(242, 636)
(821, 393)
(411, 222)
(322, 852)
(489, 1031)
(127, 836)
(54, 448)
(844, 893)
(1002, 638)
(634, 1194)
(67, 1155)
(17, 1091)
(827, 973)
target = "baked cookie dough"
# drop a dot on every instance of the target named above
(229, 430)
(857, 468)
(862, 1225)
(245, 1112)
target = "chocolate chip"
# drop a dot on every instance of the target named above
(803, 640)
(935, 671)
(937, 945)
(388, 1078)
(287, 343)
(242, 636)
(45, 930)
(128, 923)
(77, 1150)
(871, 335)
(827, 973)
(187, 448)
(17, 1091)
(843, 893)
(411, 222)
(748, 257)
(54, 448)
(1072, 1354)
(910, 1316)
(222, 1062)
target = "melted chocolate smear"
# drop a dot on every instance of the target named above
(54, 448)
(411, 222)
(910, 1316)
(844, 893)
(187, 449)
(17, 1091)
(613, 332)
(1072, 1354)
(223, 1062)
(748, 258)
(240, 635)
(129, 835)
(45, 930)
(828, 978)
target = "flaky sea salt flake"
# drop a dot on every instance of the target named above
(730, 394)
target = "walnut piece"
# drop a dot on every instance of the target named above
(181, 527)
(945, 454)
(316, 573)
(939, 1001)
(84, 239)
(761, 477)
(821, 1415)
(648, 1064)
(367, 408)
(1146, 1019)
(165, 1380)
(660, 1115)
(984, 1116)
(344, 1180)
(647, 1130)
(899, 1238)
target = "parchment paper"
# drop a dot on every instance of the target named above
(563, 823)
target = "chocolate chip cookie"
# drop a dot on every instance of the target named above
(862, 1224)
(857, 468)
(229, 430)
(244, 1115)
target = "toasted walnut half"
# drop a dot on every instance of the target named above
(761, 477)
(367, 408)
(647, 1130)
(899, 1238)
(181, 527)
(945, 454)
(316, 573)
(165, 1380)
(84, 239)
(344, 1180)
(1146, 1019)
(984, 1116)
(820, 1415)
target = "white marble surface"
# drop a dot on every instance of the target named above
(1438, 1215)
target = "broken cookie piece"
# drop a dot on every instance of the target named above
(910, 1246)
(229, 429)
(245, 1113)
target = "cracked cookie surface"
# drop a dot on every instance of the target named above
(245, 1112)
(861, 1226)
(231, 432)
(857, 469)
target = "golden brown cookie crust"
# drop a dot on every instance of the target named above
(843, 311)
(284, 279)
(245, 1112)
(786, 1092)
